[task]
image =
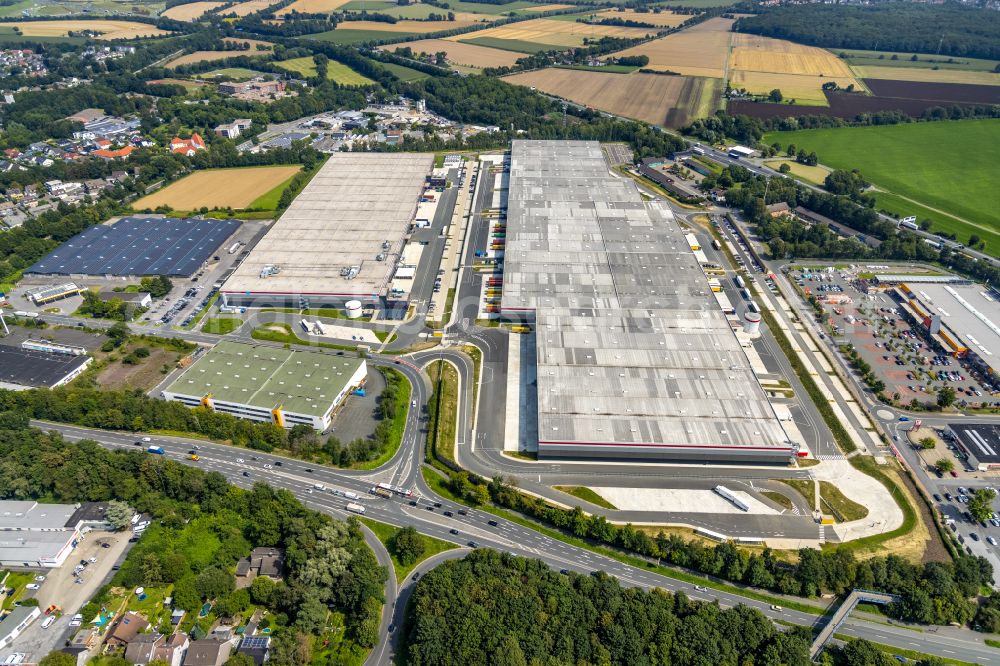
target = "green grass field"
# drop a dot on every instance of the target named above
(385, 533)
(405, 74)
(949, 166)
(234, 73)
(335, 71)
(481, 8)
(516, 45)
(349, 37)
(304, 66)
(221, 325)
(924, 61)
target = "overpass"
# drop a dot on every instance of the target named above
(843, 611)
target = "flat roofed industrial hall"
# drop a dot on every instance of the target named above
(341, 237)
(138, 246)
(635, 359)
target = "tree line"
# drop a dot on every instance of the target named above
(327, 564)
(942, 29)
(494, 608)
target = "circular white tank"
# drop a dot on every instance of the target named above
(751, 323)
(353, 309)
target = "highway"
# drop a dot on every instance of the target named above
(244, 467)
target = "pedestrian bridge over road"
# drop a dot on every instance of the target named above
(843, 611)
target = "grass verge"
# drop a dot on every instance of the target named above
(587, 495)
(385, 534)
(446, 314)
(442, 410)
(269, 333)
(778, 498)
(201, 313)
(439, 486)
(221, 325)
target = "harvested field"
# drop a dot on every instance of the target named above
(653, 98)
(409, 27)
(551, 32)
(459, 53)
(548, 8)
(190, 11)
(663, 19)
(812, 174)
(249, 7)
(187, 83)
(310, 6)
(929, 75)
(255, 44)
(701, 50)
(208, 56)
(804, 89)
(218, 188)
(108, 29)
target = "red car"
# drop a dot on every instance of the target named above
(954, 473)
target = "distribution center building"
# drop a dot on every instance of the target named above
(340, 239)
(262, 383)
(635, 359)
(29, 367)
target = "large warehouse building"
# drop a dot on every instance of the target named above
(24, 368)
(138, 246)
(260, 383)
(635, 359)
(340, 239)
(963, 318)
(38, 535)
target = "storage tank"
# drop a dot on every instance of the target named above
(751, 323)
(353, 309)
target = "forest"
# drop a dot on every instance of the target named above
(202, 526)
(493, 608)
(943, 29)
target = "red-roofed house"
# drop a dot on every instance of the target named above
(102, 143)
(113, 154)
(187, 146)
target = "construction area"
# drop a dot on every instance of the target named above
(340, 240)
(633, 357)
(262, 383)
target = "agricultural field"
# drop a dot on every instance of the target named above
(460, 53)
(653, 98)
(404, 74)
(316, 6)
(249, 7)
(218, 188)
(185, 83)
(928, 75)
(409, 27)
(209, 56)
(664, 19)
(761, 64)
(546, 34)
(232, 73)
(335, 71)
(108, 29)
(701, 50)
(923, 61)
(349, 37)
(519, 7)
(191, 11)
(948, 166)
(253, 44)
(811, 174)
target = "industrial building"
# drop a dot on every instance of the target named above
(261, 383)
(635, 359)
(138, 246)
(27, 367)
(340, 239)
(981, 441)
(962, 319)
(39, 535)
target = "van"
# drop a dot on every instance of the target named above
(48, 621)
(319, 486)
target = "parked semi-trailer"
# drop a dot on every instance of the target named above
(355, 508)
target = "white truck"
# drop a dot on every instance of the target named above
(353, 507)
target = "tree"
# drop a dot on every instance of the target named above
(408, 545)
(945, 397)
(214, 582)
(118, 514)
(239, 659)
(974, 240)
(186, 595)
(119, 333)
(775, 95)
(981, 504)
(945, 465)
(927, 443)
(57, 658)
(262, 590)
(784, 168)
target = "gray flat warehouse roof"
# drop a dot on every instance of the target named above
(635, 357)
(971, 312)
(351, 207)
(21, 367)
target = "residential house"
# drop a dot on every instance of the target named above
(173, 649)
(127, 628)
(118, 153)
(102, 143)
(95, 185)
(87, 116)
(257, 648)
(142, 649)
(264, 561)
(779, 209)
(11, 153)
(117, 177)
(187, 146)
(207, 652)
(6, 208)
(233, 129)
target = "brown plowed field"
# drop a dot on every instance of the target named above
(942, 92)
(701, 50)
(655, 98)
(459, 53)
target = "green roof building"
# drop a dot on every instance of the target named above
(261, 383)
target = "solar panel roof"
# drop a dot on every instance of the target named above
(138, 246)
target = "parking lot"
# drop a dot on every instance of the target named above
(897, 352)
(61, 588)
(978, 538)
